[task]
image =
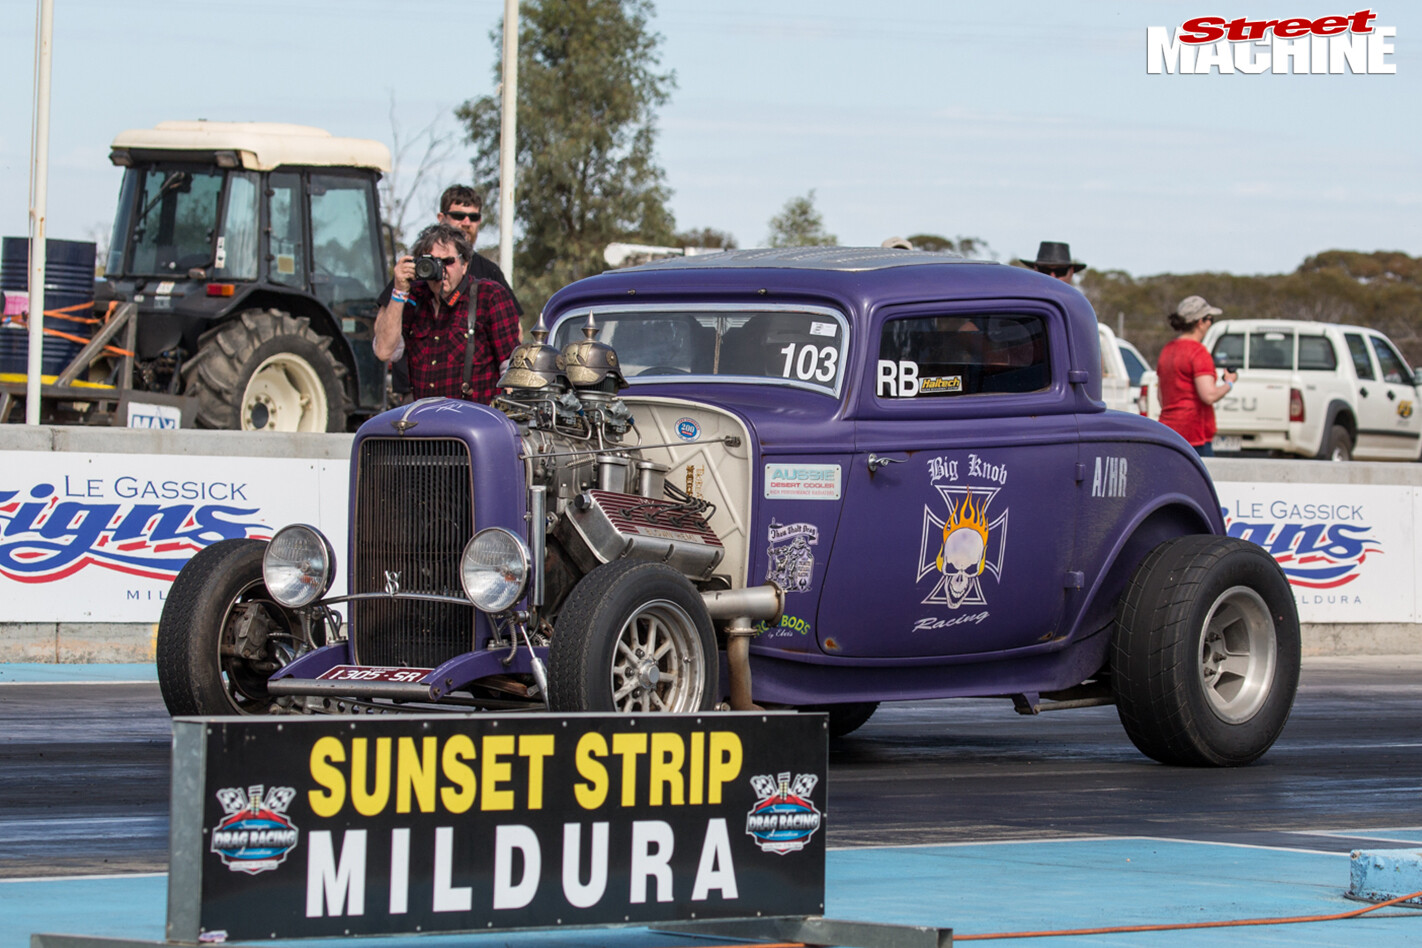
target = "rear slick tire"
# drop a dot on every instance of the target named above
(1205, 654)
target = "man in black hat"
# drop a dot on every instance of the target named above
(1054, 259)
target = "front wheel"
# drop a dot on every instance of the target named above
(221, 635)
(1205, 656)
(633, 637)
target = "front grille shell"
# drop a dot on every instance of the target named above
(413, 515)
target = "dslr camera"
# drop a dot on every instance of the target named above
(429, 268)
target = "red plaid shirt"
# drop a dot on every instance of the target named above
(435, 337)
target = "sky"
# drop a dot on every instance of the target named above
(1012, 122)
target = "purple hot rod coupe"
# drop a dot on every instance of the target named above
(817, 478)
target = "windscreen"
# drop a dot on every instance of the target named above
(174, 218)
(800, 347)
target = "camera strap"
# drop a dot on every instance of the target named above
(465, 388)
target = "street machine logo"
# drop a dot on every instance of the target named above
(1326, 45)
(783, 818)
(256, 834)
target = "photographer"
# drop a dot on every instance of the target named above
(455, 329)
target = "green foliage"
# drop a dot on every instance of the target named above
(799, 224)
(974, 247)
(588, 88)
(704, 237)
(1382, 290)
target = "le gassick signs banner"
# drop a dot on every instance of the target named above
(403, 824)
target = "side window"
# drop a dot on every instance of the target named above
(1271, 350)
(1316, 352)
(1229, 351)
(236, 257)
(1135, 368)
(286, 257)
(1358, 349)
(933, 356)
(1393, 368)
(344, 252)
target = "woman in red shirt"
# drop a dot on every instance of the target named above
(1188, 389)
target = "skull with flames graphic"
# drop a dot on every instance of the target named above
(964, 552)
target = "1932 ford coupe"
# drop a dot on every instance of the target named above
(818, 478)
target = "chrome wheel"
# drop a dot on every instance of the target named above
(658, 664)
(284, 394)
(1237, 654)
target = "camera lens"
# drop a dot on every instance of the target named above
(429, 268)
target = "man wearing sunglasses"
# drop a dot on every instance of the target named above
(462, 207)
(455, 331)
(1054, 259)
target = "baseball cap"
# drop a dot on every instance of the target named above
(1194, 308)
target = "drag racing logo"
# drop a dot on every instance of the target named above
(783, 819)
(256, 834)
(1325, 45)
(792, 561)
(51, 531)
(1318, 546)
(962, 539)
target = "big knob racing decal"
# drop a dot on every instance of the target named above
(256, 834)
(783, 818)
(961, 541)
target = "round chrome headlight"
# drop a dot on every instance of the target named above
(494, 569)
(298, 566)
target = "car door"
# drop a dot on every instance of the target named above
(959, 507)
(1393, 425)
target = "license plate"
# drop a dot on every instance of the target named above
(1228, 443)
(374, 673)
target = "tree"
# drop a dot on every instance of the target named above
(405, 186)
(704, 237)
(588, 88)
(967, 246)
(799, 224)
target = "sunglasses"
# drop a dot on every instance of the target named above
(462, 215)
(448, 261)
(1056, 271)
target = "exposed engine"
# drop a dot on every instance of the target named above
(606, 500)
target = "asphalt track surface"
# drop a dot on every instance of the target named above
(84, 791)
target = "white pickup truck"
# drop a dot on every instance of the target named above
(1317, 390)
(1127, 380)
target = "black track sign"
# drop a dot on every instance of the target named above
(416, 824)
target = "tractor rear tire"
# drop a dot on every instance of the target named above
(267, 370)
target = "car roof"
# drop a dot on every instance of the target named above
(846, 259)
(1283, 325)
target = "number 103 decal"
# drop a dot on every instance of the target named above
(810, 362)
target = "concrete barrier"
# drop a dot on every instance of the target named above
(308, 472)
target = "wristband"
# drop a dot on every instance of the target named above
(397, 297)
